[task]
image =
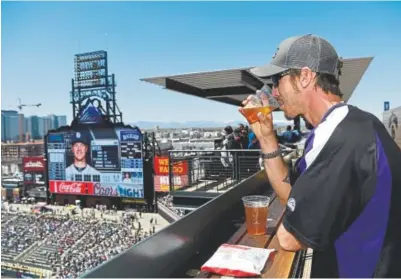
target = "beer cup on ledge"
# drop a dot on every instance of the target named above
(263, 102)
(256, 211)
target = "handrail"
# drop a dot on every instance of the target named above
(171, 216)
(188, 242)
(282, 146)
(212, 150)
(211, 172)
(26, 252)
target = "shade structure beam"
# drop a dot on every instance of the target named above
(250, 81)
(231, 86)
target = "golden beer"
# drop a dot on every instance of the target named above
(251, 113)
(256, 212)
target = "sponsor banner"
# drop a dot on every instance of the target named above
(161, 166)
(33, 164)
(162, 182)
(118, 190)
(28, 178)
(36, 178)
(71, 187)
(133, 135)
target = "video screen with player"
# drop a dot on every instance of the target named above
(96, 161)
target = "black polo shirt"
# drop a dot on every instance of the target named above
(346, 201)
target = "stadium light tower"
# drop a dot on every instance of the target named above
(93, 84)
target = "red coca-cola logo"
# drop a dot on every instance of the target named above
(105, 190)
(75, 187)
(71, 187)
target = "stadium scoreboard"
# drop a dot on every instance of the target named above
(112, 163)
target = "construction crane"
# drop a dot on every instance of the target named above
(21, 105)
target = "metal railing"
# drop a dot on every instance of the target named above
(166, 212)
(187, 243)
(211, 171)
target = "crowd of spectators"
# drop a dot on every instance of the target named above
(22, 230)
(101, 242)
(237, 138)
(68, 245)
(243, 137)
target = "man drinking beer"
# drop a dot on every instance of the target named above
(343, 200)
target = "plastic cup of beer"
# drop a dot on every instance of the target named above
(263, 102)
(256, 211)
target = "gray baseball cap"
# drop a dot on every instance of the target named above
(297, 52)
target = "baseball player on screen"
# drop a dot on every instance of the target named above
(79, 147)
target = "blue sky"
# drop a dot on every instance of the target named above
(39, 40)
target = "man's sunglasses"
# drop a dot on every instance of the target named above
(276, 78)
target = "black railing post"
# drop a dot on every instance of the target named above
(170, 171)
(236, 165)
(153, 144)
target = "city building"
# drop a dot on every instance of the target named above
(62, 120)
(28, 127)
(9, 125)
(48, 124)
(41, 127)
(16, 127)
(35, 127)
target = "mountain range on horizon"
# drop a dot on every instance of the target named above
(197, 124)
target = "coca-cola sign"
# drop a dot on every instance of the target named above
(71, 187)
(34, 164)
(64, 187)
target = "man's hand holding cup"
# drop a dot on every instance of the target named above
(257, 110)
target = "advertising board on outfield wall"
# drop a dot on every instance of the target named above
(162, 184)
(161, 166)
(117, 190)
(71, 187)
(34, 170)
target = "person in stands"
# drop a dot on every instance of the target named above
(343, 200)
(229, 139)
(253, 141)
(287, 135)
(296, 134)
(228, 143)
(243, 134)
(238, 138)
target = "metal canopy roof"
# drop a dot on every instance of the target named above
(234, 85)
